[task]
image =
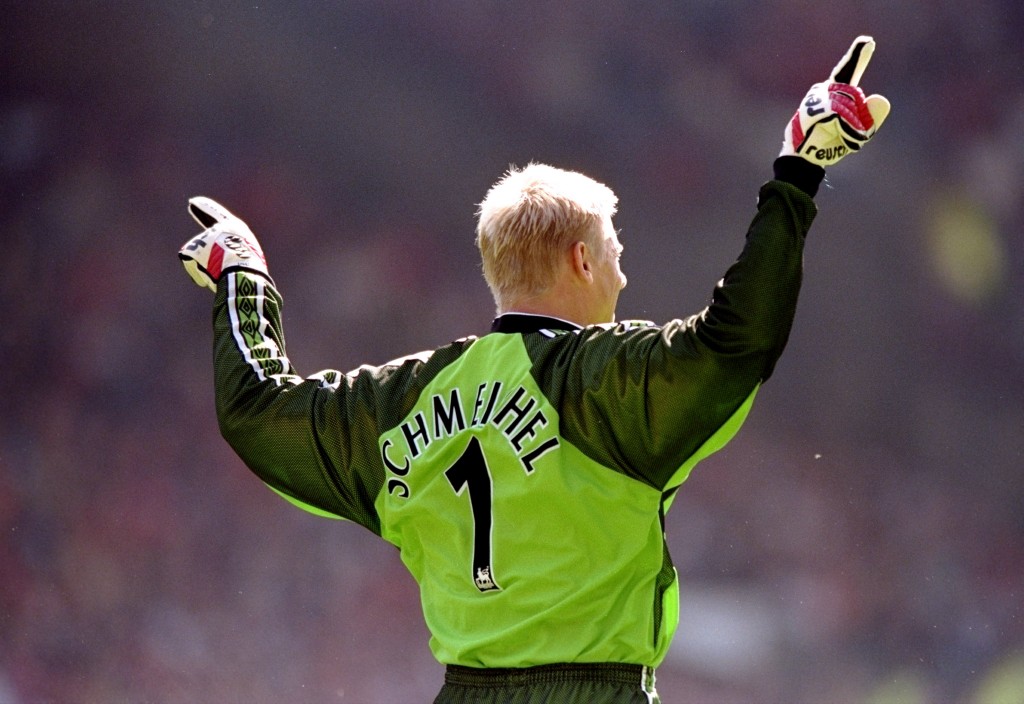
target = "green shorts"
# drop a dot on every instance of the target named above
(597, 683)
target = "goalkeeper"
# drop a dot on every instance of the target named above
(524, 475)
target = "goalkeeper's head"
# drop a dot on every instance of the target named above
(548, 245)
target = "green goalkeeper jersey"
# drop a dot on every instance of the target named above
(523, 475)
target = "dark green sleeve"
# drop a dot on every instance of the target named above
(753, 306)
(645, 399)
(295, 434)
(313, 440)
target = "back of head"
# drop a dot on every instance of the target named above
(528, 218)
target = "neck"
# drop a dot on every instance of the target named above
(555, 303)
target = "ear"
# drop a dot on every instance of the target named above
(580, 261)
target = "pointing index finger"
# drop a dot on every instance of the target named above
(851, 67)
(206, 211)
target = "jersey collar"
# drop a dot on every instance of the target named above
(530, 322)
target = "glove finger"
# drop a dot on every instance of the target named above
(196, 272)
(851, 134)
(853, 112)
(850, 92)
(208, 212)
(851, 67)
(878, 106)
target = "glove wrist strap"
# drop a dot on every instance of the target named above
(799, 172)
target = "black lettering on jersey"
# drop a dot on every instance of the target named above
(528, 430)
(518, 412)
(477, 404)
(491, 400)
(448, 418)
(412, 435)
(399, 470)
(399, 486)
(530, 457)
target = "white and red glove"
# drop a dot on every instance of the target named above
(226, 243)
(835, 118)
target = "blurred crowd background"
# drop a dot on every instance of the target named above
(862, 540)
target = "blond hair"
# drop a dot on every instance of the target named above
(531, 215)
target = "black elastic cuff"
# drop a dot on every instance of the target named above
(799, 172)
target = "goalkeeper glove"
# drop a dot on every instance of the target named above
(835, 118)
(226, 243)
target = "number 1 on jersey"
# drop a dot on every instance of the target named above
(470, 472)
